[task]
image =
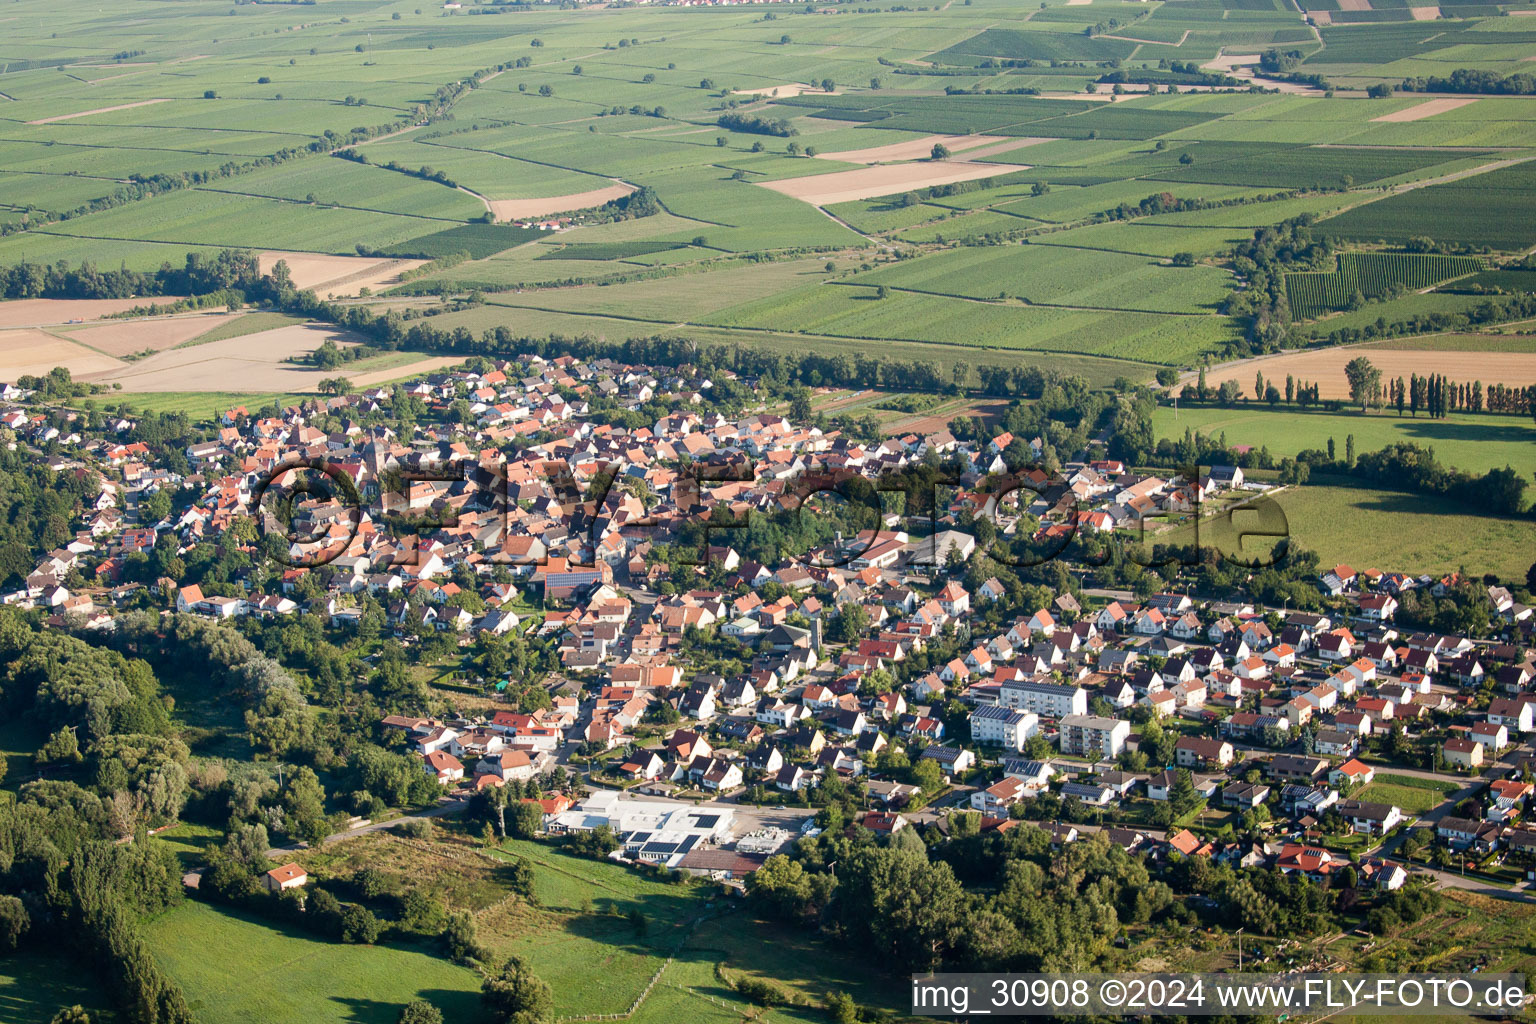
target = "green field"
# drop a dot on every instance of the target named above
(1408, 799)
(235, 968)
(1475, 443)
(1394, 531)
(1495, 209)
(33, 987)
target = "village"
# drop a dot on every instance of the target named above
(708, 709)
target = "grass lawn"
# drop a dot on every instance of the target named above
(18, 742)
(33, 988)
(247, 970)
(189, 841)
(1472, 443)
(1415, 782)
(201, 404)
(1408, 799)
(1390, 530)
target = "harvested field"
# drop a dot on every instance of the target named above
(413, 369)
(337, 276)
(989, 409)
(1326, 367)
(46, 312)
(884, 180)
(125, 337)
(517, 209)
(1354, 5)
(913, 149)
(252, 362)
(784, 91)
(1424, 13)
(30, 352)
(98, 110)
(1429, 108)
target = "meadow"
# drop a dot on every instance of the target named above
(1395, 531)
(1475, 443)
(34, 986)
(236, 968)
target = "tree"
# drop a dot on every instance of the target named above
(546, 91)
(60, 748)
(1182, 798)
(516, 995)
(14, 922)
(304, 802)
(358, 925)
(76, 1014)
(800, 405)
(527, 820)
(939, 151)
(420, 1012)
(1364, 380)
(841, 1008)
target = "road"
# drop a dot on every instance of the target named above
(445, 805)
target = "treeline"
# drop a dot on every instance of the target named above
(67, 882)
(1006, 899)
(1412, 468)
(1261, 264)
(1500, 309)
(396, 330)
(424, 173)
(229, 271)
(1177, 73)
(1438, 396)
(780, 128)
(1473, 80)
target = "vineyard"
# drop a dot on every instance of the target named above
(1369, 275)
(609, 250)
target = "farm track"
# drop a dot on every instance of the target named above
(1018, 302)
(330, 205)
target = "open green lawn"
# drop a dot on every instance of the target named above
(33, 987)
(200, 404)
(1408, 799)
(1475, 443)
(245, 970)
(1390, 530)
(190, 841)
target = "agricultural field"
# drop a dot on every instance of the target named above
(1370, 275)
(1058, 276)
(1496, 209)
(828, 158)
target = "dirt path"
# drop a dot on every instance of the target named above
(98, 110)
(1154, 42)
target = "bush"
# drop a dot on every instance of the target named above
(416, 828)
(758, 992)
(421, 1012)
(358, 925)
